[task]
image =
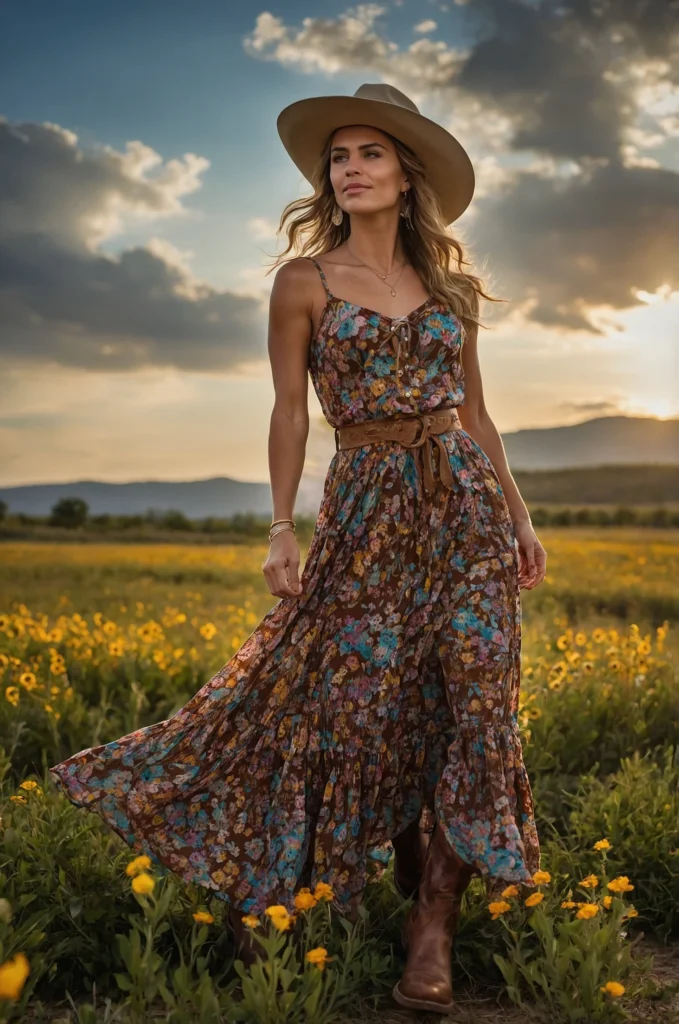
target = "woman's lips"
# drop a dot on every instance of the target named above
(356, 188)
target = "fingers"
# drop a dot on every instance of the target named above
(532, 565)
(283, 578)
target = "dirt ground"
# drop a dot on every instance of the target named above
(661, 1006)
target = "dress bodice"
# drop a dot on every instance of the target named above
(365, 365)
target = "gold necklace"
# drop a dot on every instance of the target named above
(382, 277)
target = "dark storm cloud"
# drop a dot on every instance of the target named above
(596, 221)
(63, 300)
(561, 73)
(590, 241)
(559, 70)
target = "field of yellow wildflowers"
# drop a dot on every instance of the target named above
(97, 640)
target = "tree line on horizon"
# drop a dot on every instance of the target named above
(72, 515)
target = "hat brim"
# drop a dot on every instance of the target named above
(304, 126)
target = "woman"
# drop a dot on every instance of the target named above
(374, 708)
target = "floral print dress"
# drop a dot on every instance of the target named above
(386, 691)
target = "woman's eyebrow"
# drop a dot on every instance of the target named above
(366, 145)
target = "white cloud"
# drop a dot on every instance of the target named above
(262, 228)
(425, 26)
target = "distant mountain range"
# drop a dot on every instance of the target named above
(604, 441)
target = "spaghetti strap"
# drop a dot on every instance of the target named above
(323, 277)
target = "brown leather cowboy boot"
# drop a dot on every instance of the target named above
(246, 947)
(410, 851)
(426, 983)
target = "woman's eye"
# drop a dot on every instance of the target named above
(340, 156)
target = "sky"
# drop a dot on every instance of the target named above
(142, 180)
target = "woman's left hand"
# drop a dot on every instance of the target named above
(532, 556)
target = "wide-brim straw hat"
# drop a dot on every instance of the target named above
(305, 125)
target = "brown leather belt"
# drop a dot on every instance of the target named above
(410, 431)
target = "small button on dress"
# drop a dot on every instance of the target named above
(386, 692)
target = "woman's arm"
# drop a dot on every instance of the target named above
(288, 344)
(477, 422)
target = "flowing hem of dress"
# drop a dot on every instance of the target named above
(482, 799)
(484, 803)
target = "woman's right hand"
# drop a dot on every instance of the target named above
(281, 568)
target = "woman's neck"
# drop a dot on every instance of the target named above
(376, 244)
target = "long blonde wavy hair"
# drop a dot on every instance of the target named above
(428, 245)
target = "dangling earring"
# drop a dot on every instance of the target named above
(405, 208)
(337, 215)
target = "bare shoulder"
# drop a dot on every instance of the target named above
(296, 276)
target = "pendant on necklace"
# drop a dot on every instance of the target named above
(393, 292)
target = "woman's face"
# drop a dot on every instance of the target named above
(365, 171)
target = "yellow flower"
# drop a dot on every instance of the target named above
(607, 900)
(12, 695)
(4, 661)
(29, 785)
(580, 639)
(568, 904)
(599, 635)
(250, 920)
(18, 799)
(587, 666)
(511, 890)
(536, 898)
(542, 877)
(499, 907)
(277, 910)
(28, 679)
(323, 891)
(280, 917)
(318, 956)
(587, 911)
(138, 865)
(590, 882)
(305, 900)
(143, 884)
(602, 844)
(13, 974)
(562, 642)
(613, 988)
(202, 917)
(208, 630)
(620, 884)
(632, 912)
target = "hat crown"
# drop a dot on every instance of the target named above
(384, 93)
